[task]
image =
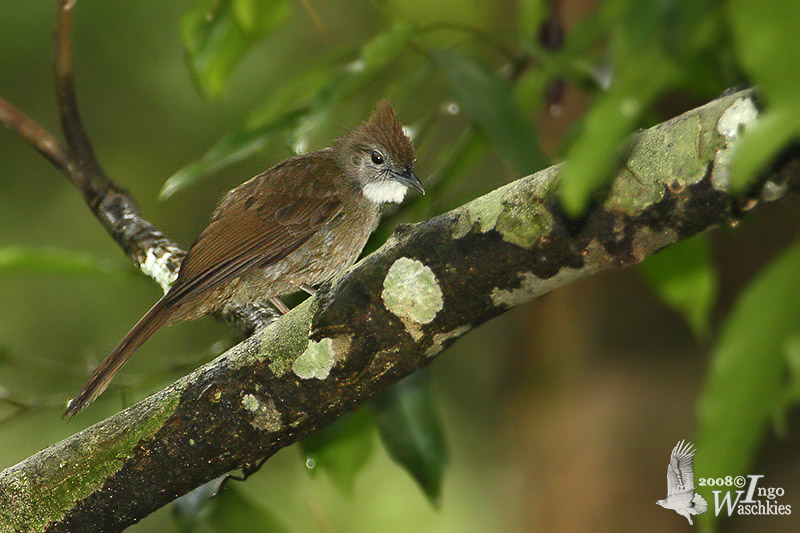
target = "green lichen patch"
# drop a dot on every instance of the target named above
(282, 341)
(523, 223)
(666, 156)
(479, 215)
(525, 217)
(712, 138)
(265, 415)
(316, 361)
(267, 418)
(83, 463)
(251, 403)
(516, 210)
(411, 291)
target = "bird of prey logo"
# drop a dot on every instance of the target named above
(681, 497)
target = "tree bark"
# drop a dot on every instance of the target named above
(388, 316)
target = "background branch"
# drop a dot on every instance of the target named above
(388, 316)
(80, 148)
(152, 252)
(33, 134)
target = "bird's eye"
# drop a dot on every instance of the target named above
(377, 158)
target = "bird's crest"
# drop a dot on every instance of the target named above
(383, 127)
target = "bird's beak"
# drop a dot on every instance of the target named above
(409, 179)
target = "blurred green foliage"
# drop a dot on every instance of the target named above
(654, 47)
(487, 100)
(299, 106)
(471, 80)
(217, 34)
(748, 379)
(341, 449)
(763, 40)
(232, 511)
(409, 426)
(18, 260)
(209, 510)
(684, 277)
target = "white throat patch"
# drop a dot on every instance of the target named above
(385, 191)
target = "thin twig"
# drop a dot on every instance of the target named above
(498, 44)
(115, 208)
(155, 254)
(81, 150)
(323, 31)
(34, 134)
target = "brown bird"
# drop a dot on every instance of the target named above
(291, 227)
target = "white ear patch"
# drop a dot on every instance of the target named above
(385, 191)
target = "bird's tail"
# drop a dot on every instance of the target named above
(700, 504)
(104, 373)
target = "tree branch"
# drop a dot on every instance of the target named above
(80, 148)
(35, 135)
(151, 251)
(389, 315)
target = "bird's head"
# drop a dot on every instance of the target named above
(380, 157)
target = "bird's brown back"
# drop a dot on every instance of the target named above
(298, 223)
(263, 221)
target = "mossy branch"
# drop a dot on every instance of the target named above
(389, 315)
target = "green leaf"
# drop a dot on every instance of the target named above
(5, 356)
(386, 46)
(451, 164)
(760, 143)
(217, 34)
(488, 100)
(195, 505)
(684, 277)
(321, 87)
(678, 28)
(230, 149)
(672, 38)
(293, 94)
(409, 427)
(341, 449)
(745, 384)
(530, 15)
(374, 57)
(764, 46)
(232, 512)
(591, 159)
(16, 260)
(791, 392)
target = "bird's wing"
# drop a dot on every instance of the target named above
(680, 472)
(263, 224)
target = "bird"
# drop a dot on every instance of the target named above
(290, 228)
(681, 496)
